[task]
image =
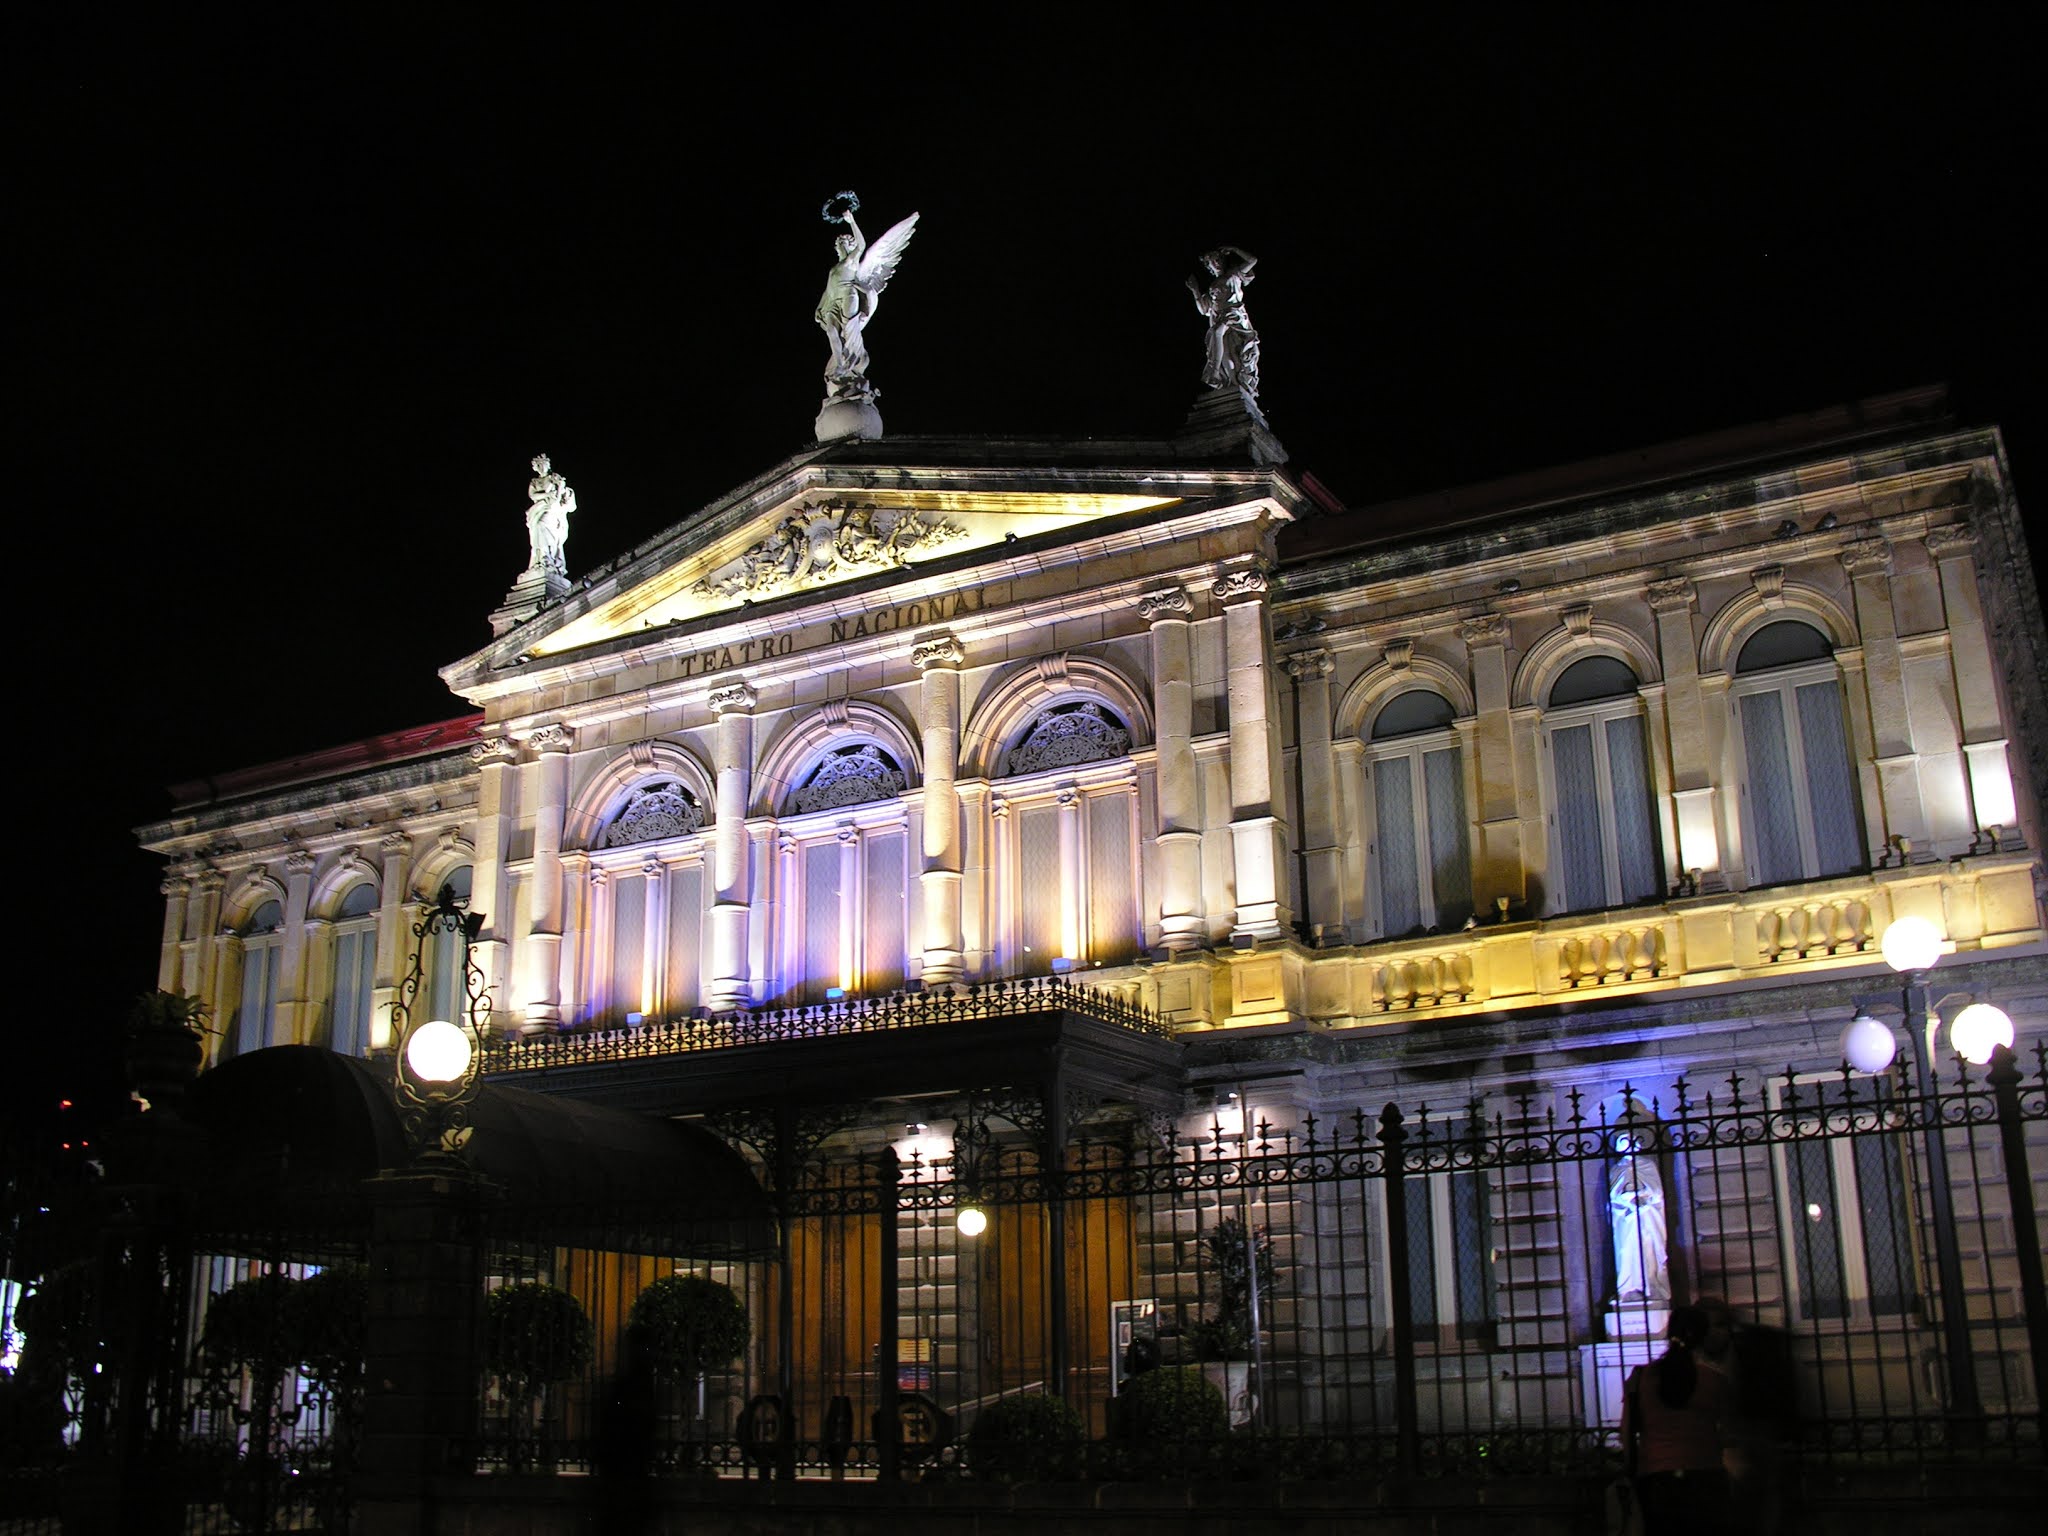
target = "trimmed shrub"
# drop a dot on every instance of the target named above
(534, 1334)
(1168, 1423)
(1025, 1439)
(684, 1324)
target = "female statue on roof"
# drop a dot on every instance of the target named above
(1233, 352)
(853, 289)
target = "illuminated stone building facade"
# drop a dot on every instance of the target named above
(1555, 791)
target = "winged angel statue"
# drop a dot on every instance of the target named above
(852, 291)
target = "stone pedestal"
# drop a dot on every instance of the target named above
(1637, 1319)
(1227, 423)
(1603, 1374)
(533, 591)
(848, 418)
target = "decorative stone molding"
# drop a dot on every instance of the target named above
(1067, 798)
(1671, 593)
(1867, 557)
(835, 714)
(786, 845)
(1485, 629)
(1241, 584)
(824, 543)
(494, 749)
(600, 878)
(1578, 618)
(395, 842)
(173, 885)
(1951, 540)
(651, 869)
(1399, 654)
(1308, 665)
(1166, 603)
(1053, 668)
(300, 861)
(1769, 582)
(938, 651)
(653, 813)
(1066, 736)
(551, 738)
(211, 880)
(851, 776)
(848, 836)
(732, 698)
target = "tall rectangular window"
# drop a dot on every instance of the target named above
(1420, 850)
(1846, 1217)
(1800, 792)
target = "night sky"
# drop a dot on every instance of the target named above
(303, 298)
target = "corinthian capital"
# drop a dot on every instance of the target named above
(1485, 629)
(1307, 666)
(1951, 540)
(1166, 603)
(732, 698)
(938, 651)
(1867, 557)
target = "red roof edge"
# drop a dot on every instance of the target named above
(353, 757)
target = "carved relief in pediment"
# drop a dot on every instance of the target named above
(821, 543)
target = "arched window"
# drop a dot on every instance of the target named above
(262, 950)
(1799, 792)
(1420, 856)
(445, 991)
(1603, 828)
(652, 813)
(355, 971)
(848, 776)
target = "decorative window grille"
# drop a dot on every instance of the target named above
(850, 776)
(1066, 736)
(653, 813)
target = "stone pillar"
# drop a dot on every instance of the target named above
(291, 1022)
(1073, 892)
(852, 948)
(731, 984)
(653, 937)
(1983, 728)
(393, 955)
(423, 1344)
(939, 874)
(541, 946)
(496, 804)
(572, 976)
(202, 956)
(599, 1006)
(1685, 716)
(1498, 869)
(1869, 563)
(1257, 837)
(1322, 857)
(1179, 830)
(176, 891)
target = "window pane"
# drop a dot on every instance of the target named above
(1816, 1229)
(1471, 1247)
(821, 920)
(348, 1024)
(1578, 818)
(1881, 1202)
(1635, 832)
(1112, 912)
(887, 898)
(629, 934)
(1774, 822)
(1038, 888)
(1450, 865)
(1421, 1255)
(1830, 784)
(1394, 807)
(685, 938)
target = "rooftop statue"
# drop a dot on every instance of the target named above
(547, 519)
(853, 290)
(1233, 356)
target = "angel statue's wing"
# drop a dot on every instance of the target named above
(884, 255)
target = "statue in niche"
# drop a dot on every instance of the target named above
(1635, 1211)
(547, 519)
(1233, 356)
(853, 289)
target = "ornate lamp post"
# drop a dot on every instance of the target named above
(1912, 946)
(438, 1059)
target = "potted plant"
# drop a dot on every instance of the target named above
(534, 1335)
(1236, 1260)
(164, 1044)
(686, 1325)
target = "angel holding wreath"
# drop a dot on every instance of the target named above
(853, 288)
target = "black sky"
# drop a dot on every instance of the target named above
(306, 289)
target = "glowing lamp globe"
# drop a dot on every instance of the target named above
(1979, 1030)
(1911, 944)
(972, 1221)
(1868, 1044)
(438, 1052)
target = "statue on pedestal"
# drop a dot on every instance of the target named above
(547, 520)
(853, 290)
(1233, 355)
(1635, 1211)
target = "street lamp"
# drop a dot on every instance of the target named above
(436, 1070)
(1912, 947)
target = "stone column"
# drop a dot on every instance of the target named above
(572, 975)
(599, 1006)
(653, 938)
(1179, 830)
(1869, 563)
(393, 956)
(1322, 857)
(291, 1023)
(731, 984)
(1976, 675)
(496, 805)
(1685, 716)
(852, 916)
(1257, 837)
(939, 875)
(176, 890)
(541, 946)
(1073, 882)
(1498, 868)
(202, 958)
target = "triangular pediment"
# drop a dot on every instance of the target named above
(824, 537)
